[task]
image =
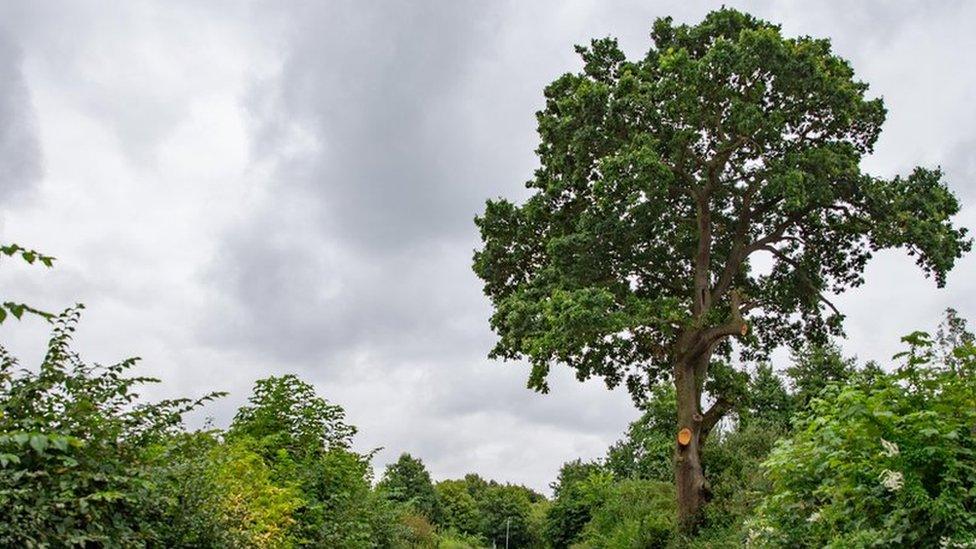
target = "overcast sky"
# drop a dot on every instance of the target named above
(237, 190)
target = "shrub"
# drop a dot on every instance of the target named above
(631, 513)
(76, 465)
(886, 460)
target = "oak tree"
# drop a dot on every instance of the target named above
(708, 192)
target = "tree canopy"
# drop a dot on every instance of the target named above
(664, 178)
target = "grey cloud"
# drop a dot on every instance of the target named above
(20, 155)
(377, 87)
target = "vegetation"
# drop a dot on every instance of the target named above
(662, 179)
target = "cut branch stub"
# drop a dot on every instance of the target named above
(684, 436)
(744, 329)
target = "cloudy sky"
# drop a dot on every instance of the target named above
(237, 190)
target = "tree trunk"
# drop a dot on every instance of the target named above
(689, 479)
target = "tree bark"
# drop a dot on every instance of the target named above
(690, 484)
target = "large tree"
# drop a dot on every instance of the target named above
(707, 192)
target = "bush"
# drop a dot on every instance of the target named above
(570, 509)
(630, 513)
(887, 460)
(76, 459)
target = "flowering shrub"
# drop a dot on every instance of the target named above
(885, 460)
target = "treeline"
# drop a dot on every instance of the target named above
(85, 462)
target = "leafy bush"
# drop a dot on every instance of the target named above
(570, 509)
(630, 513)
(304, 440)
(258, 513)
(220, 495)
(886, 460)
(75, 465)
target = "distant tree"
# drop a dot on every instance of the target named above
(408, 481)
(647, 449)
(285, 413)
(662, 179)
(306, 442)
(506, 513)
(571, 509)
(767, 400)
(458, 507)
(952, 334)
(475, 484)
(814, 367)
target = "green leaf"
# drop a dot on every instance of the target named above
(39, 443)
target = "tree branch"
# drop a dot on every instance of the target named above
(713, 415)
(800, 270)
(736, 325)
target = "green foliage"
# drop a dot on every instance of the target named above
(887, 460)
(13, 308)
(816, 366)
(647, 449)
(408, 481)
(259, 513)
(286, 414)
(506, 512)
(662, 179)
(305, 441)
(570, 509)
(458, 507)
(633, 513)
(74, 462)
(732, 462)
(220, 495)
(767, 400)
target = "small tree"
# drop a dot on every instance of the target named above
(408, 481)
(506, 513)
(816, 366)
(662, 179)
(459, 509)
(285, 413)
(570, 509)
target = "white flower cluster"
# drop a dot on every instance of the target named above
(890, 448)
(946, 543)
(892, 480)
